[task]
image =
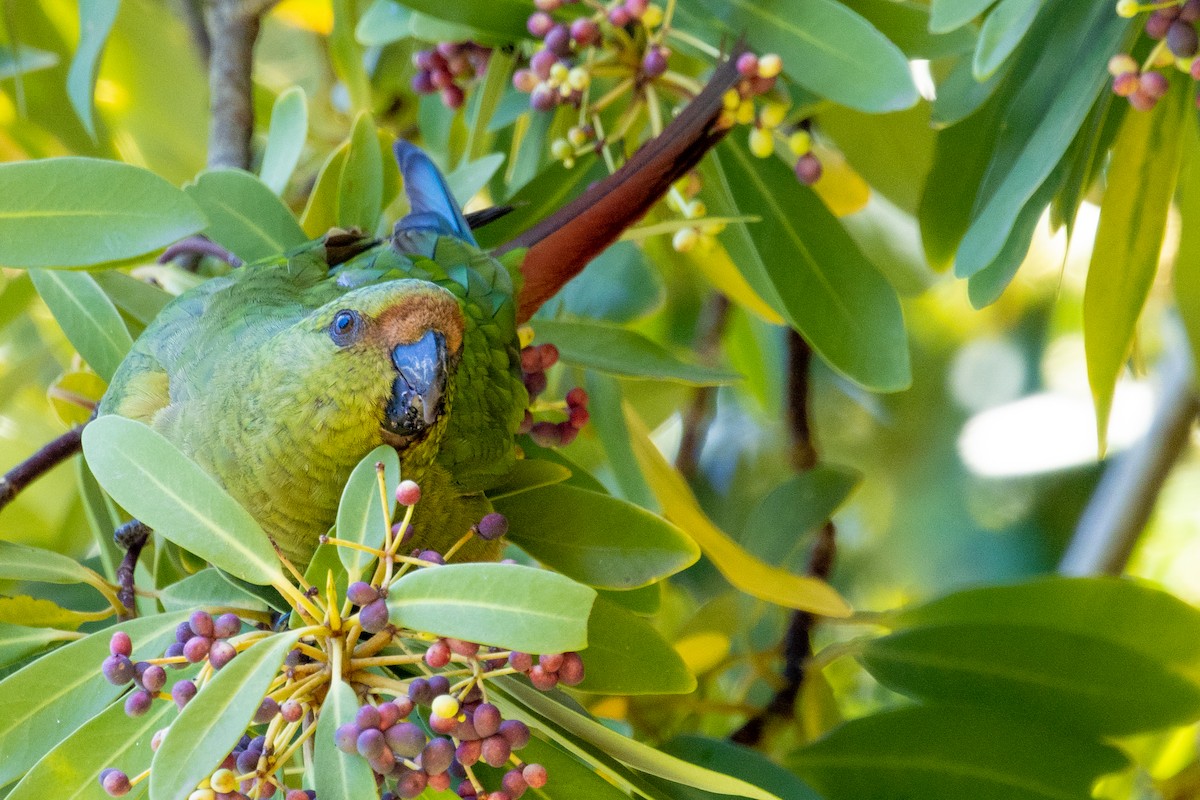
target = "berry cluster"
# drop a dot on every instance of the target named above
(1172, 24)
(442, 68)
(376, 657)
(535, 360)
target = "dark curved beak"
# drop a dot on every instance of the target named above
(417, 391)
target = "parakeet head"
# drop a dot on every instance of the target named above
(389, 352)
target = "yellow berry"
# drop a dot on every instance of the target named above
(731, 100)
(578, 78)
(1127, 8)
(202, 794)
(568, 163)
(525, 335)
(223, 780)
(445, 706)
(695, 209)
(770, 66)
(652, 17)
(800, 142)
(745, 112)
(685, 239)
(561, 149)
(577, 137)
(762, 143)
(772, 115)
(558, 73)
(1121, 63)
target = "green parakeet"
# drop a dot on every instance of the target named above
(279, 377)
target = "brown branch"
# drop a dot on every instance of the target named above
(696, 416)
(233, 27)
(38, 464)
(797, 642)
(562, 244)
(192, 12)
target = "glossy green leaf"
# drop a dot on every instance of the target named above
(633, 753)
(1133, 219)
(1040, 122)
(162, 487)
(1130, 614)
(740, 762)
(139, 299)
(1187, 259)
(906, 24)
(621, 645)
(334, 773)
(624, 353)
(347, 56)
(527, 474)
(619, 285)
(471, 176)
(949, 15)
(76, 212)
(245, 216)
(360, 190)
(71, 770)
(836, 299)
(87, 316)
(19, 562)
(21, 641)
(892, 152)
(1002, 31)
(608, 421)
(507, 605)
(208, 589)
(62, 690)
(481, 107)
(320, 213)
(503, 18)
(285, 139)
(774, 529)
(550, 190)
(1076, 681)
(360, 513)
(212, 722)
(645, 601)
(96, 18)
(946, 753)
(826, 48)
(959, 95)
(596, 539)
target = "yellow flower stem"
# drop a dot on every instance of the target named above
(134, 781)
(304, 736)
(611, 96)
(352, 545)
(466, 537)
(373, 645)
(692, 41)
(381, 684)
(382, 661)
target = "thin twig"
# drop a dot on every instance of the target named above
(233, 27)
(697, 417)
(797, 642)
(38, 464)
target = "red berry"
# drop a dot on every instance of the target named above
(539, 24)
(585, 32)
(1182, 39)
(408, 493)
(1127, 83)
(291, 711)
(468, 752)
(548, 355)
(545, 434)
(808, 169)
(201, 623)
(1157, 24)
(438, 655)
(453, 97)
(579, 417)
(120, 644)
(550, 661)
(515, 732)
(196, 649)
(486, 720)
(221, 653)
(495, 751)
(571, 672)
(577, 398)
(619, 17)
(535, 775)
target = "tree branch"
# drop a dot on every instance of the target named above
(696, 416)
(233, 27)
(38, 464)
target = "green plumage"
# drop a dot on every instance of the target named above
(241, 374)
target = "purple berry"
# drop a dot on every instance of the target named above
(747, 65)
(654, 63)
(196, 649)
(619, 17)
(437, 756)
(247, 761)
(389, 715)
(360, 593)
(432, 556)
(486, 720)
(808, 169)
(539, 24)
(422, 82)
(154, 678)
(405, 739)
(118, 670)
(183, 632)
(419, 692)
(545, 434)
(266, 710)
(585, 32)
(1182, 39)
(467, 753)
(542, 679)
(515, 732)
(438, 685)
(201, 623)
(514, 783)
(182, 692)
(346, 737)
(492, 526)
(374, 616)
(1190, 12)
(367, 717)
(175, 650)
(138, 703)
(410, 784)
(383, 763)
(1157, 24)
(114, 782)
(227, 625)
(120, 644)
(495, 751)
(221, 653)
(370, 743)
(558, 41)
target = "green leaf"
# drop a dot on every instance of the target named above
(619, 285)
(163, 488)
(471, 176)
(826, 48)
(520, 608)
(213, 721)
(15, 62)
(140, 300)
(774, 530)
(501, 18)
(346, 55)
(19, 562)
(1133, 218)
(551, 189)
(624, 353)
(527, 474)
(245, 216)
(96, 18)
(384, 22)
(21, 641)
(360, 513)
(71, 771)
(645, 601)
(740, 762)
(33, 612)
(208, 589)
(62, 690)
(1133, 615)
(633, 753)
(906, 24)
(949, 15)
(621, 645)
(833, 296)
(1040, 121)
(943, 753)
(1187, 257)
(595, 538)
(893, 152)
(1002, 31)
(360, 190)
(76, 212)
(334, 773)
(959, 95)
(572, 777)
(608, 421)
(481, 107)
(87, 316)
(285, 139)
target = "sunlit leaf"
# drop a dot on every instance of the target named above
(360, 513)
(1002, 31)
(20, 641)
(33, 611)
(87, 316)
(96, 18)
(285, 139)
(338, 774)
(360, 191)
(245, 216)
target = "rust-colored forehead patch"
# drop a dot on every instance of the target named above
(408, 320)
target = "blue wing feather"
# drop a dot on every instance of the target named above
(432, 206)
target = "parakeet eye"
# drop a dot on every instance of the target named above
(346, 328)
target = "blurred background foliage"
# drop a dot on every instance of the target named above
(977, 473)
